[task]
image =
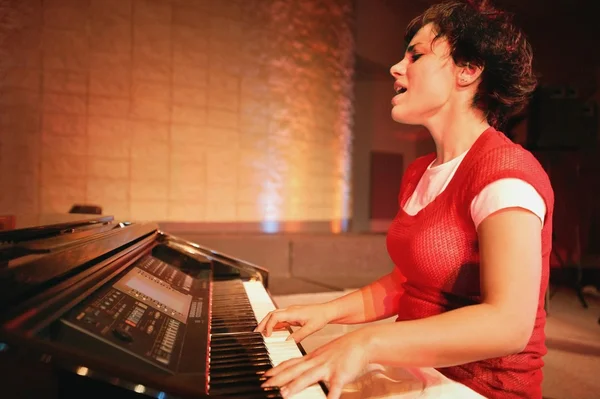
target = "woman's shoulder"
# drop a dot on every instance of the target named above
(506, 159)
(504, 154)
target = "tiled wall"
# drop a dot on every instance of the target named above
(178, 110)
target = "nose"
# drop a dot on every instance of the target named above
(398, 69)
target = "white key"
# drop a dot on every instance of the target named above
(279, 348)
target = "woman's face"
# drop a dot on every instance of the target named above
(425, 79)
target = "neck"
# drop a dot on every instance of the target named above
(456, 133)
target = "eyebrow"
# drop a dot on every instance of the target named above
(411, 48)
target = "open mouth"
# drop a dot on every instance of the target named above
(400, 90)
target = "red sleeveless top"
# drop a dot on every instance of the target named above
(436, 251)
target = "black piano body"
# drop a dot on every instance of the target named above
(93, 307)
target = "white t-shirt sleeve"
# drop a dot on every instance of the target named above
(507, 193)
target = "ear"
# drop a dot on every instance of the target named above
(468, 74)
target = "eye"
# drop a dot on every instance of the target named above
(416, 56)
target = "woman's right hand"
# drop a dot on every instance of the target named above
(310, 319)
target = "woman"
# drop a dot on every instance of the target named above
(471, 241)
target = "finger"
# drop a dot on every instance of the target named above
(282, 366)
(308, 377)
(301, 333)
(282, 325)
(263, 322)
(335, 390)
(271, 323)
(290, 373)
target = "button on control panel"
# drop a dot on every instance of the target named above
(167, 344)
(145, 316)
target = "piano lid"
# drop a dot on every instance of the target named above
(23, 227)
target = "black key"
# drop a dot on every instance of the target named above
(238, 389)
(231, 330)
(234, 355)
(239, 373)
(236, 318)
(247, 361)
(221, 323)
(230, 315)
(235, 339)
(215, 345)
(265, 395)
(238, 380)
(241, 339)
(245, 326)
(242, 307)
(240, 349)
(230, 299)
(250, 335)
(241, 342)
(244, 367)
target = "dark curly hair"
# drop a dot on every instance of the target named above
(483, 36)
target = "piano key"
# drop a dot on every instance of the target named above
(250, 362)
(234, 317)
(260, 395)
(242, 326)
(227, 368)
(237, 356)
(240, 349)
(228, 298)
(217, 382)
(230, 307)
(221, 357)
(280, 349)
(249, 337)
(236, 300)
(230, 330)
(237, 373)
(226, 345)
(221, 322)
(238, 389)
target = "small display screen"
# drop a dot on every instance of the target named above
(173, 299)
(158, 291)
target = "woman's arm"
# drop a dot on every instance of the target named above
(510, 257)
(376, 301)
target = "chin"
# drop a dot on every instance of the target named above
(405, 118)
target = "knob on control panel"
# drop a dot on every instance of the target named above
(122, 335)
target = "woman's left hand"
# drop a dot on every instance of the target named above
(339, 362)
